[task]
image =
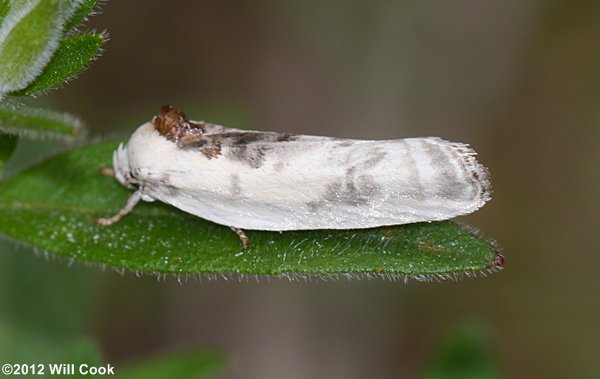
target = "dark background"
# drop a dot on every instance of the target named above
(518, 80)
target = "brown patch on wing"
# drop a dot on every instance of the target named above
(173, 124)
(213, 140)
(284, 137)
(211, 150)
(250, 147)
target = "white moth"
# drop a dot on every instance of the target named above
(272, 181)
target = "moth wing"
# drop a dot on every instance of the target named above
(346, 184)
(270, 181)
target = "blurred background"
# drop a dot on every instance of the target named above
(517, 79)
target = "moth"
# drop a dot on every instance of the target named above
(278, 181)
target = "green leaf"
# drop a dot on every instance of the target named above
(51, 207)
(181, 365)
(83, 10)
(28, 37)
(4, 8)
(73, 54)
(8, 143)
(38, 122)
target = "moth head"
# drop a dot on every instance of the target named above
(121, 167)
(169, 121)
(173, 124)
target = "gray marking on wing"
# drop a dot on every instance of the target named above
(165, 179)
(344, 144)
(459, 190)
(166, 182)
(279, 166)
(477, 174)
(447, 184)
(375, 156)
(454, 153)
(352, 189)
(235, 188)
(413, 172)
(251, 147)
(357, 187)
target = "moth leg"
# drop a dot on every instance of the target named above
(131, 202)
(106, 171)
(243, 237)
